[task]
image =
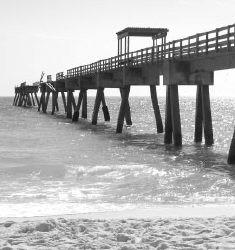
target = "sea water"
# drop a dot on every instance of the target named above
(51, 166)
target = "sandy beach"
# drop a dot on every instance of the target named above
(117, 231)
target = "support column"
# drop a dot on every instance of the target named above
(98, 98)
(25, 100)
(64, 101)
(198, 116)
(73, 102)
(69, 104)
(42, 102)
(20, 100)
(123, 108)
(76, 110)
(156, 109)
(105, 108)
(28, 102)
(15, 99)
(84, 104)
(168, 122)
(46, 102)
(231, 154)
(127, 110)
(206, 111)
(172, 118)
(36, 97)
(54, 102)
(175, 116)
(31, 94)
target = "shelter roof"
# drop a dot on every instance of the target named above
(137, 31)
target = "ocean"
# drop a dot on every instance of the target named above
(51, 166)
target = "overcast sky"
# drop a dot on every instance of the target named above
(55, 35)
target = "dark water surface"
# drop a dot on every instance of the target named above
(49, 165)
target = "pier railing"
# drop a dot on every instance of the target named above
(215, 41)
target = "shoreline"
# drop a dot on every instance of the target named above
(161, 212)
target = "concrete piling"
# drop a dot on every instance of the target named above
(105, 108)
(84, 104)
(123, 108)
(172, 118)
(168, 122)
(127, 114)
(231, 154)
(206, 112)
(98, 98)
(198, 116)
(77, 108)
(69, 104)
(156, 109)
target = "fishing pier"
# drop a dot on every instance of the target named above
(188, 61)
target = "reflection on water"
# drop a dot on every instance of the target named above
(46, 161)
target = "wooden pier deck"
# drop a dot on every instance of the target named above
(188, 61)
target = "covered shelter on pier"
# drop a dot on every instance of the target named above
(158, 36)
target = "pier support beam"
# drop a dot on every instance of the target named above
(198, 116)
(42, 102)
(105, 108)
(172, 121)
(98, 100)
(123, 108)
(156, 109)
(69, 103)
(84, 104)
(97, 105)
(127, 109)
(28, 100)
(20, 100)
(77, 108)
(168, 122)
(25, 100)
(54, 102)
(64, 101)
(206, 112)
(36, 97)
(17, 99)
(46, 102)
(231, 154)
(31, 94)
(203, 118)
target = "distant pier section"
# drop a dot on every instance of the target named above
(188, 61)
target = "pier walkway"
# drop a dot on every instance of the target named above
(188, 61)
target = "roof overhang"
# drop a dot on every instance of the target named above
(144, 32)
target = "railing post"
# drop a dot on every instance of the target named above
(234, 35)
(157, 53)
(181, 52)
(170, 50)
(197, 44)
(173, 49)
(216, 40)
(141, 57)
(188, 46)
(228, 37)
(152, 55)
(206, 42)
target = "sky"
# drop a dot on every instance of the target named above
(55, 35)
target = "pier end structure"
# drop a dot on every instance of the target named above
(26, 95)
